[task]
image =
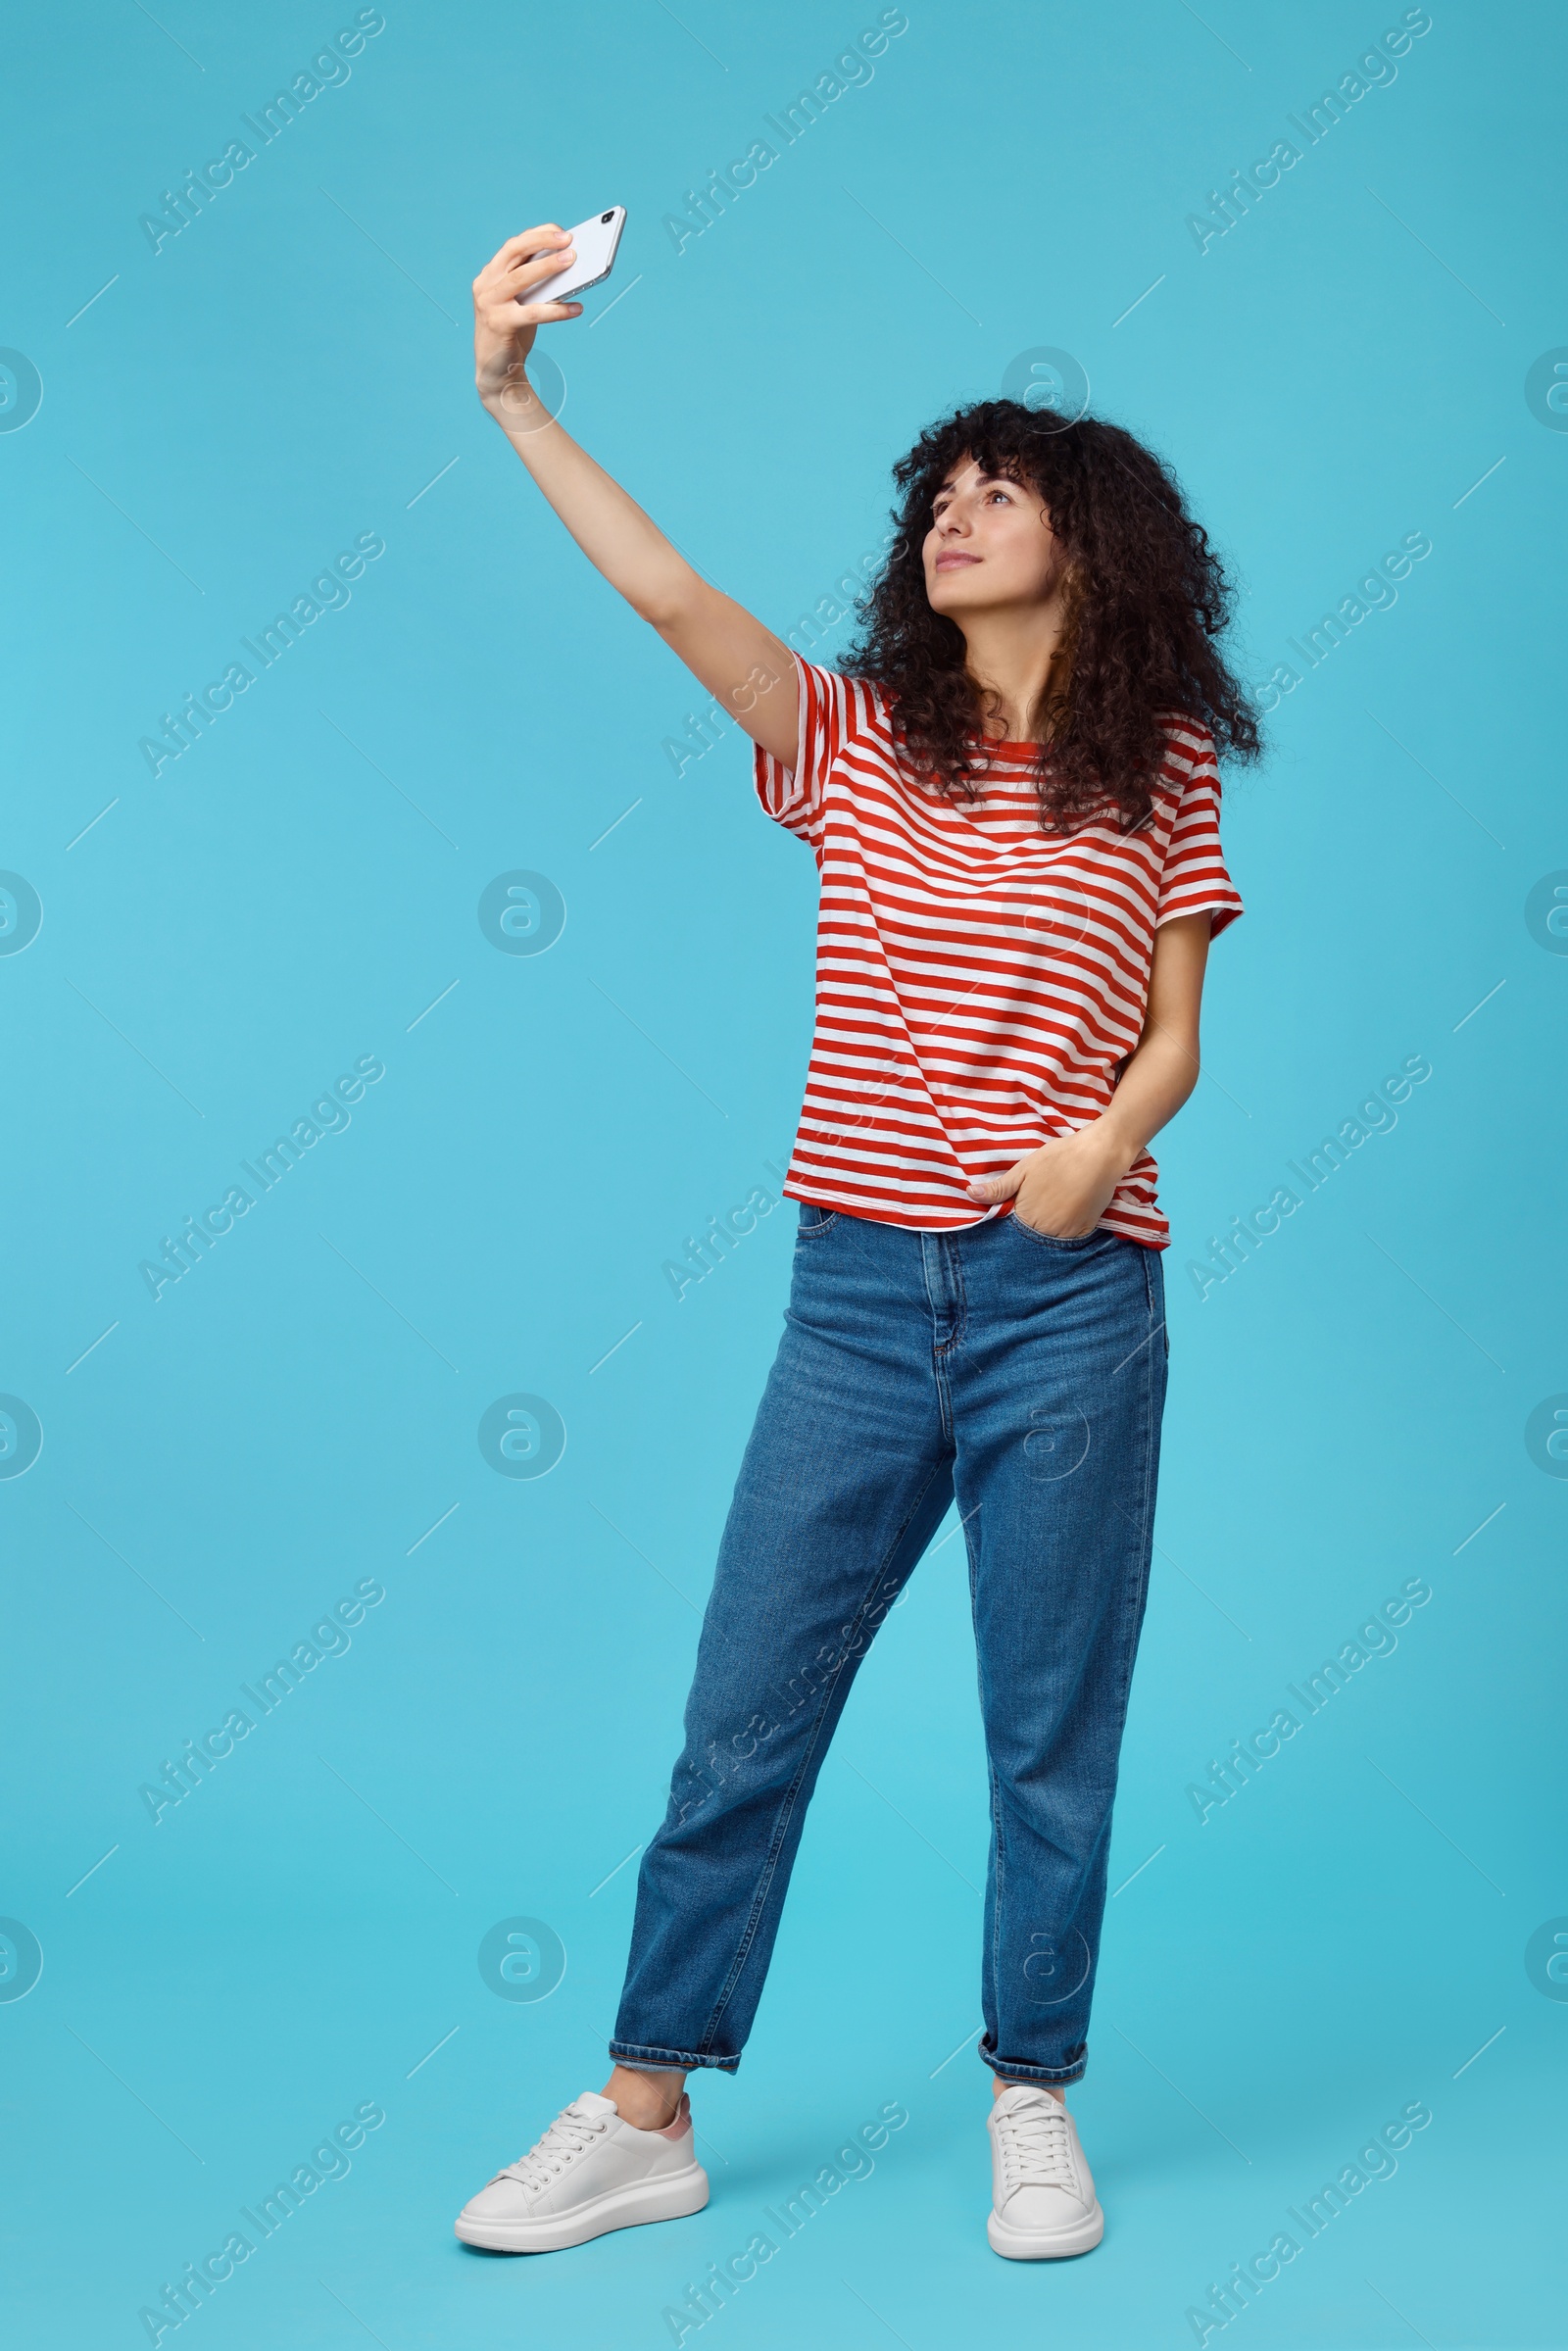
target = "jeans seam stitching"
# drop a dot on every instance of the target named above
(1136, 1596)
(944, 1348)
(997, 1832)
(1139, 1580)
(998, 1838)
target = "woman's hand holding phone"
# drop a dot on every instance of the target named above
(504, 322)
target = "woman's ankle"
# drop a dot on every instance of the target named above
(648, 2100)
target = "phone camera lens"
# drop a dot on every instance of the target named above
(605, 220)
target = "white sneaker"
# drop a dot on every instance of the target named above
(1043, 2200)
(591, 2172)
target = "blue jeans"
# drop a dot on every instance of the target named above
(1025, 1378)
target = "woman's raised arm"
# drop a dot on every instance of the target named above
(739, 661)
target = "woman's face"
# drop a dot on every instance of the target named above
(990, 544)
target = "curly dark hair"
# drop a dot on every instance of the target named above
(1148, 601)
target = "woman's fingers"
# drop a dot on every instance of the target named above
(503, 316)
(544, 250)
(519, 275)
(999, 1186)
(500, 308)
(530, 242)
(539, 263)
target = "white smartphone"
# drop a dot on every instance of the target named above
(595, 242)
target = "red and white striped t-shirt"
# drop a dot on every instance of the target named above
(977, 981)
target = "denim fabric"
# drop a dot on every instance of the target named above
(1023, 1377)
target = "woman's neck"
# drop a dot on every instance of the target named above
(1018, 661)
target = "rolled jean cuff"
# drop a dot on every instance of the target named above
(1063, 2074)
(668, 2061)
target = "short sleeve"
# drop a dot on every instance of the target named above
(1194, 879)
(794, 796)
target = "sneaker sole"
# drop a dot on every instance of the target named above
(673, 2196)
(1040, 2244)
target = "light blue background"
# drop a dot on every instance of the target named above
(292, 370)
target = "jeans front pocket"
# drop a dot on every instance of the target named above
(815, 1219)
(1054, 1239)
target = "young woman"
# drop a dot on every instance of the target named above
(1011, 791)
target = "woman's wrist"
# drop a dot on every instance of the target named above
(509, 399)
(1118, 1145)
(512, 399)
(520, 411)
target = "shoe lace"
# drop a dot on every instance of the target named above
(1036, 2148)
(561, 2144)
